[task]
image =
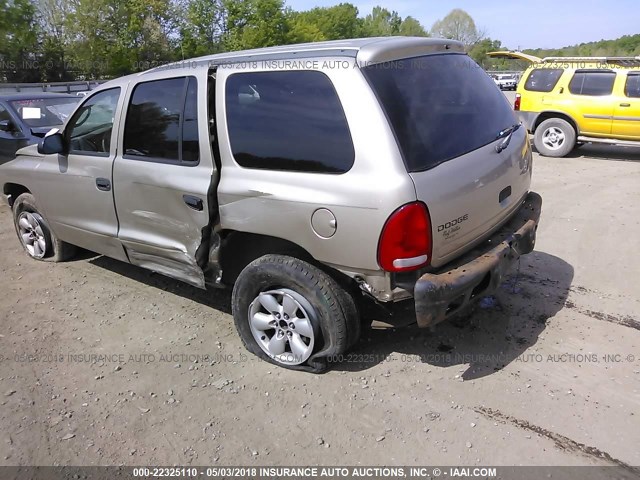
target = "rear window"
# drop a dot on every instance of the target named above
(543, 79)
(439, 106)
(592, 82)
(45, 112)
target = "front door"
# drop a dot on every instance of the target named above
(77, 193)
(626, 119)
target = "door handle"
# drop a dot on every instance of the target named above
(194, 203)
(625, 104)
(103, 184)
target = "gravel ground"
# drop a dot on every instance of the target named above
(524, 381)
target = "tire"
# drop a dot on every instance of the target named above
(34, 233)
(273, 290)
(555, 137)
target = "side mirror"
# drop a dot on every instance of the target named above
(6, 126)
(52, 143)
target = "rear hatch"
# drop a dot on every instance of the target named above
(461, 142)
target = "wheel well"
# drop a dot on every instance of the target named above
(547, 115)
(15, 190)
(239, 249)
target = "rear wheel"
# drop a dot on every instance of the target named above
(34, 233)
(555, 137)
(292, 314)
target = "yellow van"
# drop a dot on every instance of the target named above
(564, 101)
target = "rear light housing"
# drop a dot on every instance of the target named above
(516, 104)
(406, 241)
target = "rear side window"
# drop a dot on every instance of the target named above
(440, 107)
(632, 87)
(287, 121)
(161, 122)
(592, 82)
(543, 79)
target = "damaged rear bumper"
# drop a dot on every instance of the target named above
(440, 295)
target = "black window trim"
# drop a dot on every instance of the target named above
(67, 139)
(626, 83)
(596, 71)
(346, 121)
(165, 161)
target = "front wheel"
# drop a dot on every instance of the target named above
(34, 233)
(555, 137)
(292, 314)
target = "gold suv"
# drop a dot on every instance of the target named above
(567, 101)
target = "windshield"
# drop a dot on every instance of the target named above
(440, 107)
(45, 112)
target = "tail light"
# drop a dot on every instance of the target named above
(406, 241)
(516, 104)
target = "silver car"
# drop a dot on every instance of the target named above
(307, 177)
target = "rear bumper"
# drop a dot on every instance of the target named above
(477, 273)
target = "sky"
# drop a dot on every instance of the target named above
(519, 23)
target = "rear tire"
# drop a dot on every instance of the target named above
(34, 233)
(292, 314)
(555, 137)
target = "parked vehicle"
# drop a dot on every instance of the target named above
(567, 101)
(307, 177)
(25, 118)
(506, 81)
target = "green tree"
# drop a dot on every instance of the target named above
(254, 23)
(410, 27)
(457, 25)
(19, 49)
(329, 23)
(381, 23)
(201, 27)
(115, 37)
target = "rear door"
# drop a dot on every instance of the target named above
(626, 119)
(449, 117)
(163, 176)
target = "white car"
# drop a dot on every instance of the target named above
(506, 81)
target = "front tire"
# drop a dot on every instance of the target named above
(34, 233)
(555, 137)
(292, 314)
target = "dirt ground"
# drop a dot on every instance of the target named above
(106, 364)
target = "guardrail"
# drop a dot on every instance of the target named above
(55, 87)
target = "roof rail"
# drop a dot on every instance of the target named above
(601, 59)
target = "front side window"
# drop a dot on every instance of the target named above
(162, 121)
(287, 121)
(543, 79)
(592, 82)
(89, 131)
(632, 87)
